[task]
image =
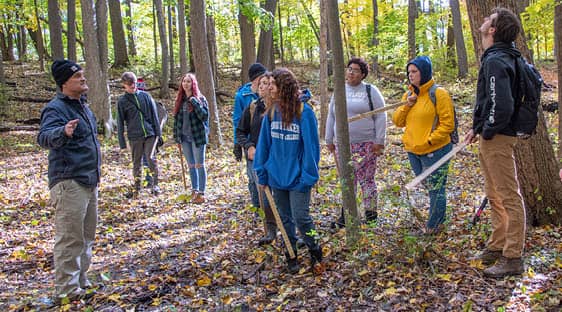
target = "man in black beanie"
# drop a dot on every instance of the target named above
(244, 96)
(69, 130)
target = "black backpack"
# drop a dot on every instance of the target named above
(527, 98)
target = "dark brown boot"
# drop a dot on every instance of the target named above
(504, 267)
(270, 237)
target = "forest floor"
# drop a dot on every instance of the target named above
(165, 254)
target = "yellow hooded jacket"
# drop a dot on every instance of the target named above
(418, 120)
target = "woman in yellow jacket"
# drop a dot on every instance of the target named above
(427, 134)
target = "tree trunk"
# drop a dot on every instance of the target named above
(281, 48)
(375, 41)
(451, 61)
(2, 76)
(203, 66)
(98, 95)
(537, 167)
(462, 58)
(342, 130)
(171, 39)
(38, 38)
(71, 30)
(248, 42)
(558, 51)
(324, 99)
(412, 14)
(212, 45)
(101, 29)
(120, 56)
(55, 30)
(165, 78)
(182, 37)
(265, 45)
(130, 31)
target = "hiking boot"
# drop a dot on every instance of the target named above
(270, 237)
(315, 256)
(198, 199)
(487, 256)
(504, 267)
(370, 215)
(293, 265)
(300, 243)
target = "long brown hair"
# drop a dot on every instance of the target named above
(287, 95)
(181, 92)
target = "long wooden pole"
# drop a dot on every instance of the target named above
(375, 111)
(267, 192)
(435, 166)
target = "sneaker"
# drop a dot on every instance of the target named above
(487, 256)
(76, 294)
(504, 267)
(155, 190)
(293, 265)
(315, 256)
(370, 215)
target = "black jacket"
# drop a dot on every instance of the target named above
(77, 157)
(493, 112)
(138, 125)
(248, 130)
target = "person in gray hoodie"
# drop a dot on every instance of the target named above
(367, 136)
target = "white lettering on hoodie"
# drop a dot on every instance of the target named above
(491, 119)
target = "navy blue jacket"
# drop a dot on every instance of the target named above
(78, 157)
(138, 111)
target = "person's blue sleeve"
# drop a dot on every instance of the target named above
(51, 132)
(262, 151)
(311, 153)
(237, 112)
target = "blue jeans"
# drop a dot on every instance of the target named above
(435, 183)
(252, 183)
(294, 211)
(195, 157)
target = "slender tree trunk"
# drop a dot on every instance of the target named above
(171, 39)
(212, 45)
(120, 56)
(2, 76)
(248, 42)
(375, 41)
(281, 48)
(165, 78)
(101, 29)
(558, 51)
(265, 44)
(182, 37)
(71, 30)
(412, 14)
(96, 73)
(324, 99)
(55, 30)
(342, 130)
(38, 38)
(451, 61)
(537, 166)
(130, 30)
(155, 35)
(462, 58)
(203, 66)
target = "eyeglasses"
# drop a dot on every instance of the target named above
(353, 70)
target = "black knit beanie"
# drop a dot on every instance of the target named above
(64, 69)
(256, 70)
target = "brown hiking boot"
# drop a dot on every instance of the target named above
(504, 267)
(487, 256)
(198, 199)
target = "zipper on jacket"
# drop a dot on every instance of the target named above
(141, 116)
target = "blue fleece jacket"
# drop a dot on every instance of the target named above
(287, 158)
(243, 98)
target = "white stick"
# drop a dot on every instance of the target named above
(435, 166)
(156, 141)
(374, 111)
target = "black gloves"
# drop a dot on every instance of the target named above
(237, 151)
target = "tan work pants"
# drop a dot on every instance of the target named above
(501, 187)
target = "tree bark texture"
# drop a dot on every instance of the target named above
(462, 58)
(324, 98)
(98, 95)
(375, 41)
(182, 38)
(55, 29)
(71, 30)
(342, 130)
(558, 51)
(120, 56)
(248, 42)
(203, 67)
(38, 38)
(165, 75)
(265, 44)
(171, 40)
(536, 162)
(130, 31)
(212, 45)
(412, 14)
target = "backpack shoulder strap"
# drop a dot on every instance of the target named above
(368, 86)
(252, 109)
(432, 92)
